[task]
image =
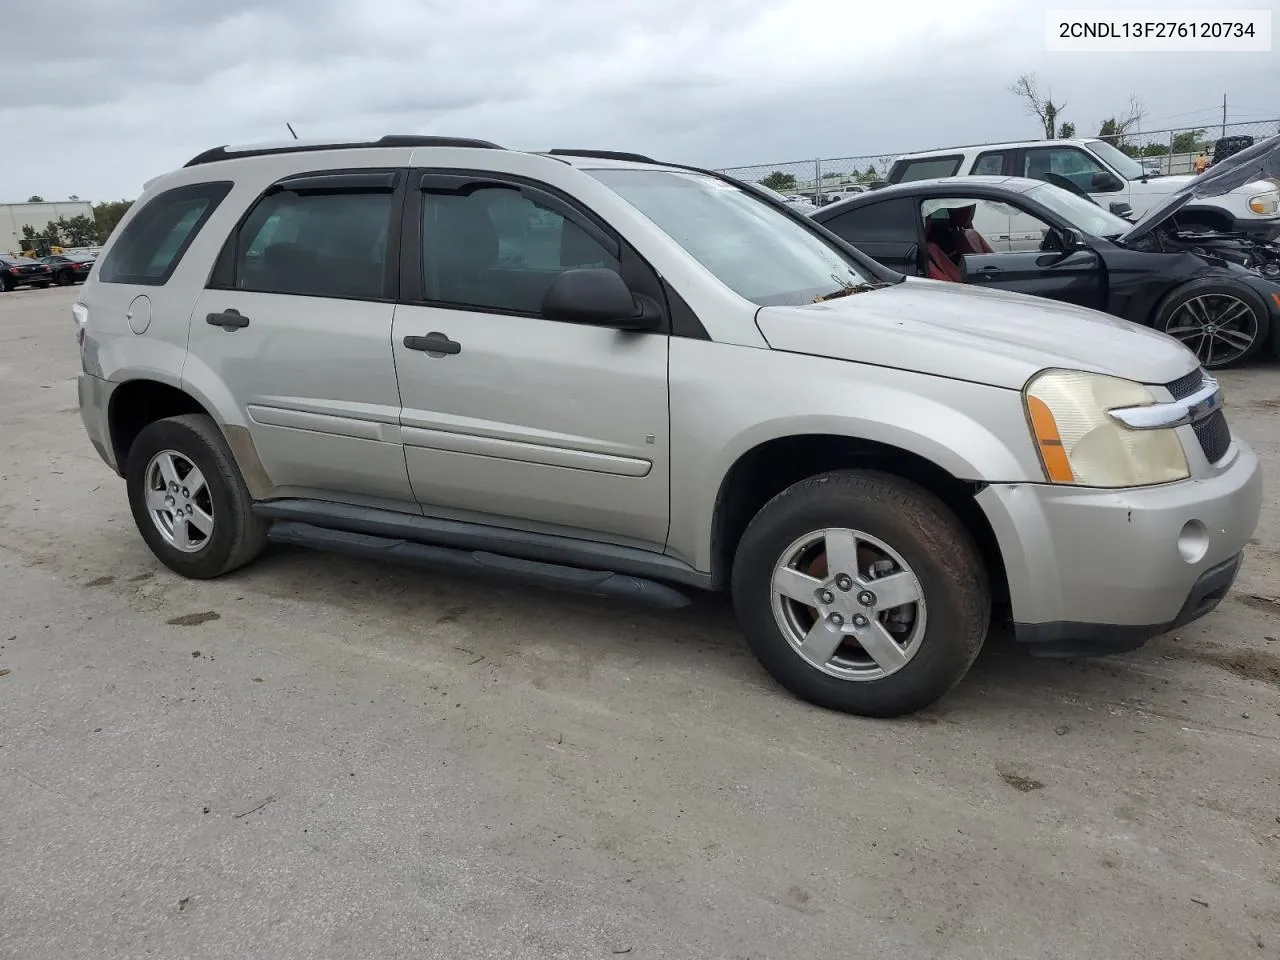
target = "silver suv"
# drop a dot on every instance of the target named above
(623, 377)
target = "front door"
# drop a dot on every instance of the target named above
(508, 418)
(296, 327)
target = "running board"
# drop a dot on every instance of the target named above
(596, 583)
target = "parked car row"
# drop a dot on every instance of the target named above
(605, 373)
(62, 269)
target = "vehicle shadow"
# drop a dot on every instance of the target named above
(408, 603)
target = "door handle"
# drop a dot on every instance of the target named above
(435, 344)
(227, 320)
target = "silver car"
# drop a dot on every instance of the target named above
(628, 378)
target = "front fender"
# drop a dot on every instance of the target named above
(727, 401)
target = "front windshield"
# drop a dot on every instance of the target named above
(1120, 161)
(1079, 212)
(754, 249)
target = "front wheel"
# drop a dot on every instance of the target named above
(861, 592)
(1223, 322)
(188, 499)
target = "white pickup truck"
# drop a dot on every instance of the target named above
(1111, 177)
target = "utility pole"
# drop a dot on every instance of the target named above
(1224, 114)
(290, 126)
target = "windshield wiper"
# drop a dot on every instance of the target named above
(849, 289)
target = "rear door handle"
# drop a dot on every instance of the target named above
(227, 320)
(435, 343)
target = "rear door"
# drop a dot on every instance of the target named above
(296, 326)
(516, 420)
(888, 231)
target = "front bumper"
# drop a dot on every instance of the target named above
(95, 403)
(1259, 228)
(1100, 571)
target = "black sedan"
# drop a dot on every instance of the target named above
(1032, 237)
(69, 268)
(22, 271)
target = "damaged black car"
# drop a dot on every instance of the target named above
(1219, 293)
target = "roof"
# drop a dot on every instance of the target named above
(576, 157)
(934, 185)
(1009, 145)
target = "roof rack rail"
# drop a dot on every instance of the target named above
(602, 155)
(228, 152)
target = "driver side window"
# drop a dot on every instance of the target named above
(960, 226)
(1072, 163)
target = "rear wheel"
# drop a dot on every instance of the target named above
(63, 278)
(1223, 322)
(188, 499)
(861, 592)
(5, 284)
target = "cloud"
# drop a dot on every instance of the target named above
(124, 91)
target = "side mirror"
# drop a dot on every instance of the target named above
(1106, 183)
(1121, 209)
(1072, 240)
(597, 296)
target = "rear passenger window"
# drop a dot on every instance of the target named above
(154, 240)
(989, 165)
(925, 168)
(496, 249)
(315, 244)
(892, 220)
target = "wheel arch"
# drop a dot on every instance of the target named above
(769, 467)
(138, 402)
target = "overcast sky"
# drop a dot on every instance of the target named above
(116, 92)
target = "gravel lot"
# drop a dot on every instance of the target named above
(320, 757)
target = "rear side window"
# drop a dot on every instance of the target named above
(316, 244)
(155, 239)
(990, 164)
(887, 220)
(926, 168)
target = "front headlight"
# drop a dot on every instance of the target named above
(1265, 204)
(1080, 444)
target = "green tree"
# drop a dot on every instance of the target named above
(107, 214)
(833, 175)
(1154, 149)
(779, 181)
(78, 231)
(1066, 131)
(870, 172)
(35, 198)
(1188, 141)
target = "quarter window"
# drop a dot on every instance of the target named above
(925, 169)
(316, 244)
(497, 249)
(155, 239)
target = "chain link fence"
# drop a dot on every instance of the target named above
(1161, 151)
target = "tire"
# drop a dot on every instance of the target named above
(236, 536)
(63, 278)
(947, 630)
(5, 284)
(1203, 313)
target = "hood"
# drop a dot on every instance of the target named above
(967, 333)
(1259, 162)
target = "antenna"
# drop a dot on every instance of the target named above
(291, 130)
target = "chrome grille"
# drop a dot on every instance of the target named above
(1214, 436)
(1186, 386)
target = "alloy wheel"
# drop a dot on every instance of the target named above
(179, 501)
(849, 604)
(1218, 327)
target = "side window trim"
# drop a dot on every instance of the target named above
(359, 180)
(637, 271)
(463, 183)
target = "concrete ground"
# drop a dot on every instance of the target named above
(325, 758)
